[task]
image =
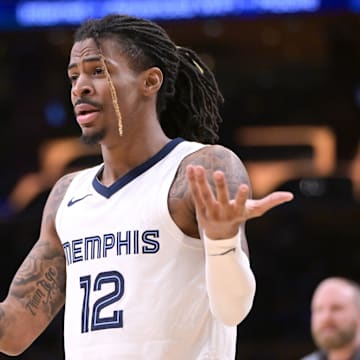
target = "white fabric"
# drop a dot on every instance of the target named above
(230, 281)
(127, 247)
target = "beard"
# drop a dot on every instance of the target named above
(93, 139)
(338, 339)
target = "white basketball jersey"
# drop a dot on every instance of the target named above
(135, 286)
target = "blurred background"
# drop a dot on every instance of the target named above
(290, 74)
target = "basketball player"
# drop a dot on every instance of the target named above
(335, 320)
(148, 250)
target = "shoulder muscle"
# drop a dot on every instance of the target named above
(217, 157)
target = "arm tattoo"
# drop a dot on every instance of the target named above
(44, 292)
(39, 284)
(57, 195)
(212, 158)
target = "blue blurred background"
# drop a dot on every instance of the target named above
(290, 74)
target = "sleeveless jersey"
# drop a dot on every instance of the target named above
(135, 283)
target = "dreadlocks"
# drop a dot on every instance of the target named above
(189, 99)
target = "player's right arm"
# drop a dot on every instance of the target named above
(37, 292)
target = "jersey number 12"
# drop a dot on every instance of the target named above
(99, 322)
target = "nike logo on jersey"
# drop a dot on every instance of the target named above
(74, 201)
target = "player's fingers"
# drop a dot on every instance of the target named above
(191, 176)
(241, 196)
(222, 191)
(196, 191)
(257, 208)
(206, 193)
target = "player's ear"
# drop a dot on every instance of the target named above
(153, 79)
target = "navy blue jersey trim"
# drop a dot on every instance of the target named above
(132, 174)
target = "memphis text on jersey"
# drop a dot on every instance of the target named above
(110, 244)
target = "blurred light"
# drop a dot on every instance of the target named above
(48, 13)
(354, 5)
(55, 114)
(313, 187)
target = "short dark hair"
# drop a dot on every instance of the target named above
(189, 99)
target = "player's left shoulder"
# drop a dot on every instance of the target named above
(218, 150)
(220, 158)
(217, 157)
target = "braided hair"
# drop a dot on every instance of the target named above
(189, 98)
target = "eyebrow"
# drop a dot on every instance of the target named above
(94, 58)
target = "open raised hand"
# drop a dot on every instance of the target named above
(219, 215)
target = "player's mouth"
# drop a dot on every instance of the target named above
(85, 113)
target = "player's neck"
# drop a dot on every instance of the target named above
(119, 160)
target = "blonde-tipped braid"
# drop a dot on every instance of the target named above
(188, 102)
(113, 94)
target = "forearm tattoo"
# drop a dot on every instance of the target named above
(39, 284)
(44, 291)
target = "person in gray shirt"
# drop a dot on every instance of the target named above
(335, 320)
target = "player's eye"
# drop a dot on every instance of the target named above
(99, 70)
(73, 78)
